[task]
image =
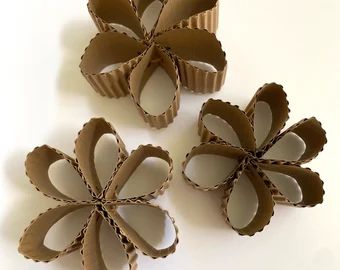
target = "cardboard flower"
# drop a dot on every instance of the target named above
(250, 156)
(105, 203)
(184, 31)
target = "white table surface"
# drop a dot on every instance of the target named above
(46, 100)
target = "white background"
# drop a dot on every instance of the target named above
(46, 100)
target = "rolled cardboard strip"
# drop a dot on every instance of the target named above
(133, 237)
(309, 182)
(84, 149)
(233, 116)
(140, 74)
(32, 242)
(122, 12)
(265, 208)
(201, 14)
(220, 150)
(91, 250)
(276, 98)
(127, 168)
(313, 135)
(196, 45)
(37, 166)
(105, 49)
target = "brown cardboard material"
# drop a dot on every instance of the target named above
(103, 207)
(184, 32)
(250, 155)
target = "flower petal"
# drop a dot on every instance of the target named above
(311, 133)
(265, 202)
(309, 182)
(37, 165)
(91, 250)
(142, 228)
(276, 98)
(32, 242)
(196, 45)
(153, 58)
(202, 14)
(223, 150)
(119, 12)
(151, 187)
(106, 49)
(235, 117)
(84, 150)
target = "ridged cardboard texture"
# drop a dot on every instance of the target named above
(250, 156)
(104, 203)
(184, 31)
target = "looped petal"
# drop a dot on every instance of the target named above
(122, 12)
(141, 73)
(233, 116)
(37, 165)
(224, 150)
(106, 49)
(122, 176)
(84, 150)
(309, 182)
(91, 251)
(138, 236)
(32, 242)
(196, 45)
(311, 133)
(276, 98)
(265, 209)
(202, 14)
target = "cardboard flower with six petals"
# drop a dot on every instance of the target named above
(105, 204)
(250, 156)
(183, 32)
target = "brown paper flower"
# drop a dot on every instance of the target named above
(184, 31)
(105, 201)
(250, 156)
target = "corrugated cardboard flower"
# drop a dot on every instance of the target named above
(250, 156)
(184, 31)
(105, 203)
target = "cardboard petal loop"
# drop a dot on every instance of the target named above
(233, 116)
(106, 49)
(220, 150)
(84, 150)
(130, 165)
(141, 73)
(122, 12)
(265, 202)
(32, 242)
(309, 182)
(37, 165)
(196, 45)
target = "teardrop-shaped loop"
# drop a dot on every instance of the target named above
(85, 147)
(265, 202)
(201, 14)
(152, 187)
(273, 95)
(32, 242)
(309, 182)
(312, 135)
(92, 250)
(38, 164)
(146, 233)
(235, 158)
(120, 12)
(200, 46)
(235, 117)
(151, 59)
(104, 50)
